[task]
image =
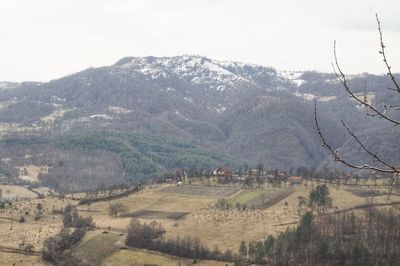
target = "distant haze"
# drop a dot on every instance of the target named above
(46, 39)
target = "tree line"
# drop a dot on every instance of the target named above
(369, 237)
(56, 249)
(150, 236)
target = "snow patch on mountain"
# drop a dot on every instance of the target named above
(118, 110)
(310, 97)
(102, 116)
(220, 108)
(146, 67)
(326, 98)
(305, 96)
(293, 76)
(216, 75)
(188, 99)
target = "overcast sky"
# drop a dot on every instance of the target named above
(46, 39)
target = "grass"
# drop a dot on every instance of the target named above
(32, 231)
(10, 192)
(141, 257)
(260, 198)
(20, 259)
(225, 228)
(32, 172)
(365, 193)
(203, 191)
(149, 214)
(97, 248)
(152, 199)
(211, 226)
(245, 196)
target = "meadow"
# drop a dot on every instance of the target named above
(186, 210)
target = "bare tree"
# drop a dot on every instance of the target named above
(379, 164)
(117, 209)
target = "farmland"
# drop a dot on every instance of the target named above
(186, 210)
(141, 257)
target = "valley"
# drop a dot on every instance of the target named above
(193, 210)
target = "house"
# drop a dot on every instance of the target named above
(222, 173)
(296, 179)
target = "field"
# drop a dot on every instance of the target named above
(30, 172)
(100, 248)
(275, 209)
(157, 214)
(7, 258)
(245, 196)
(203, 191)
(96, 247)
(33, 230)
(365, 193)
(260, 197)
(187, 210)
(12, 192)
(140, 257)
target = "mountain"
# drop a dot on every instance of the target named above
(253, 113)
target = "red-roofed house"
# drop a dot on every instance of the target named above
(222, 173)
(296, 179)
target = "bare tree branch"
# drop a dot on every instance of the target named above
(383, 53)
(386, 167)
(343, 80)
(337, 157)
(373, 155)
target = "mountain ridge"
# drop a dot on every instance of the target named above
(253, 113)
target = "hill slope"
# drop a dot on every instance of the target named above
(250, 112)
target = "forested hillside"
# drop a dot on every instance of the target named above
(89, 161)
(248, 112)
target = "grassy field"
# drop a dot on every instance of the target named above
(10, 192)
(157, 214)
(96, 247)
(225, 228)
(31, 174)
(141, 257)
(245, 196)
(20, 260)
(33, 231)
(203, 191)
(260, 198)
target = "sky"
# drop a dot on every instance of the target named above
(43, 40)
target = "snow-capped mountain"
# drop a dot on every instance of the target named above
(251, 112)
(217, 75)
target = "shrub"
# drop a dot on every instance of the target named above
(54, 246)
(223, 204)
(142, 234)
(117, 209)
(71, 218)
